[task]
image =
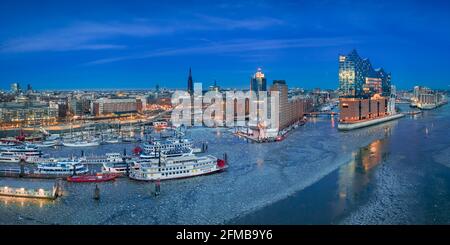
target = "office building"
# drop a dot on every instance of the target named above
(258, 82)
(105, 106)
(16, 114)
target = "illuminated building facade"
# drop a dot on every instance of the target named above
(27, 114)
(290, 110)
(258, 82)
(358, 109)
(426, 98)
(106, 106)
(365, 93)
(357, 78)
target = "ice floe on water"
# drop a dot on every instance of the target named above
(259, 175)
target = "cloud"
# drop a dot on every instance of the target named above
(235, 47)
(250, 24)
(100, 36)
(81, 36)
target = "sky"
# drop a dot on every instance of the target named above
(138, 44)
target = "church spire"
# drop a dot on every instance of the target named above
(190, 87)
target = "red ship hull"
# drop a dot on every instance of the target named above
(92, 178)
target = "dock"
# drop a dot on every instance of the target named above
(350, 126)
(13, 172)
(282, 134)
(29, 192)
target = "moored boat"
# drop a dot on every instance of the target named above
(112, 141)
(118, 168)
(92, 178)
(107, 158)
(61, 168)
(22, 150)
(165, 145)
(177, 167)
(160, 125)
(9, 142)
(47, 143)
(177, 152)
(9, 157)
(84, 143)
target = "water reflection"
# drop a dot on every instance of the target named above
(354, 177)
(6, 201)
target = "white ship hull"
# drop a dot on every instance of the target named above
(155, 177)
(9, 159)
(81, 144)
(61, 168)
(122, 169)
(177, 167)
(47, 144)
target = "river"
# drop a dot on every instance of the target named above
(393, 173)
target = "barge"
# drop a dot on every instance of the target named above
(29, 192)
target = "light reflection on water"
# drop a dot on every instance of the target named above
(356, 175)
(330, 199)
(312, 165)
(23, 202)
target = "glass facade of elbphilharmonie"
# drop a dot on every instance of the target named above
(357, 78)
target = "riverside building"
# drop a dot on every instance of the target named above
(426, 98)
(366, 95)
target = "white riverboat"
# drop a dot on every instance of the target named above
(8, 143)
(107, 158)
(112, 140)
(177, 167)
(82, 143)
(167, 144)
(22, 150)
(47, 143)
(9, 157)
(61, 168)
(118, 168)
(177, 152)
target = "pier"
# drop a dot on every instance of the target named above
(282, 134)
(355, 125)
(317, 113)
(29, 192)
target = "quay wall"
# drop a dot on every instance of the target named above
(350, 126)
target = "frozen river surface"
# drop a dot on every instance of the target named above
(261, 176)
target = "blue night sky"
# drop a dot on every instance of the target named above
(137, 44)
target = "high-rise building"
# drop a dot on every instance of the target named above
(357, 78)
(258, 82)
(29, 88)
(290, 110)
(366, 93)
(190, 87)
(15, 88)
(283, 109)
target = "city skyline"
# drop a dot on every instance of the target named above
(140, 46)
